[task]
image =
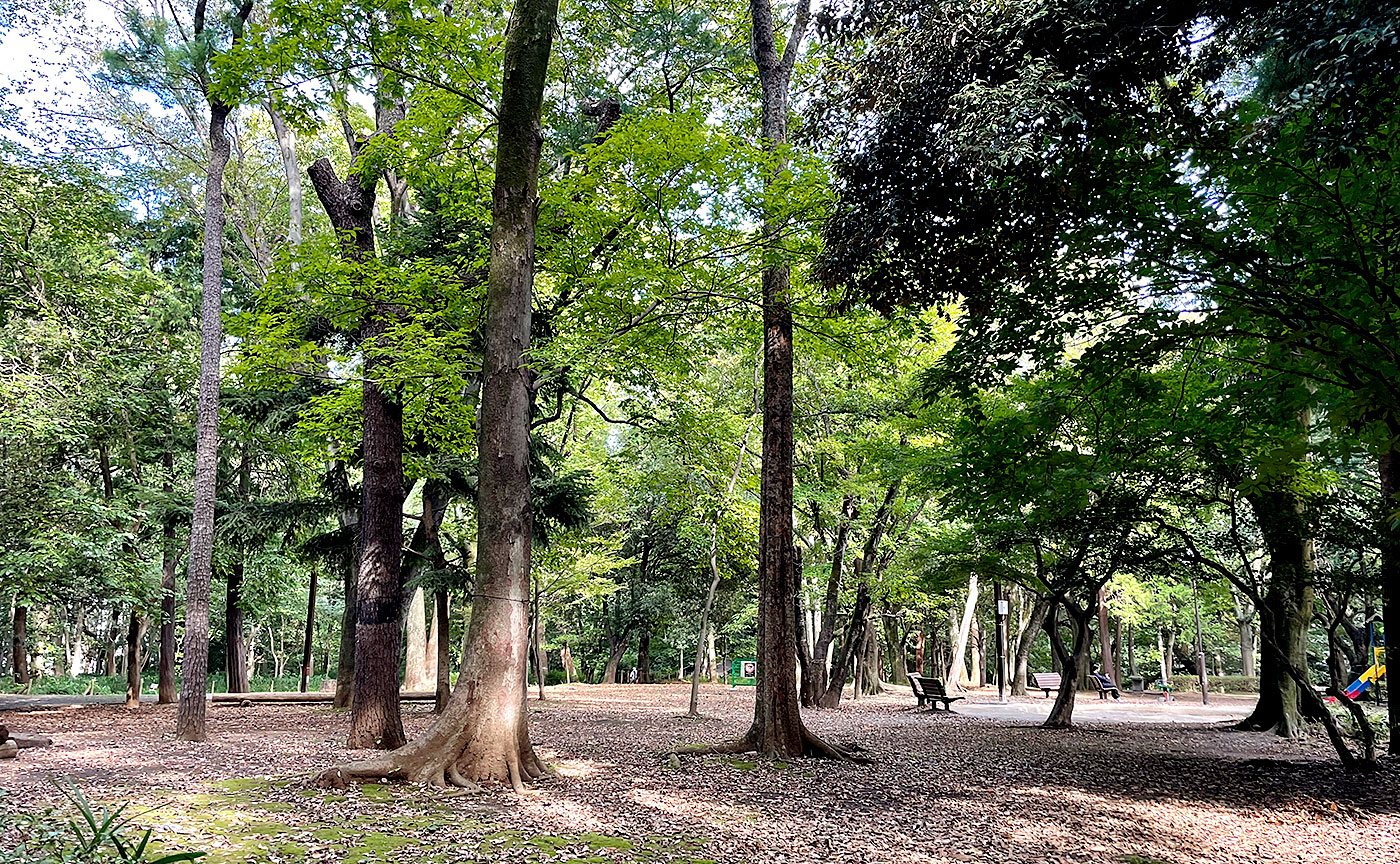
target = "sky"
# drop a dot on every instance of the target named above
(39, 58)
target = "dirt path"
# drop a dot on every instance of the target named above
(967, 788)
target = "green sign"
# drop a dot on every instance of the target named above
(744, 673)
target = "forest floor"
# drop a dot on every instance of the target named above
(940, 787)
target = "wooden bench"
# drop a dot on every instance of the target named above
(1046, 682)
(931, 690)
(1105, 686)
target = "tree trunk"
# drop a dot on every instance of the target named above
(870, 662)
(644, 657)
(816, 674)
(416, 675)
(1106, 664)
(1244, 621)
(308, 635)
(1075, 660)
(169, 563)
(235, 647)
(1389, 466)
(135, 632)
(957, 665)
(1286, 611)
(442, 627)
(617, 646)
(483, 734)
(850, 649)
(345, 661)
(19, 657)
(1025, 641)
(374, 711)
(195, 673)
(287, 145)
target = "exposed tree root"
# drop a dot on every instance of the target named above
(812, 745)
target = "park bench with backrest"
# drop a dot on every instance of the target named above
(1046, 682)
(931, 690)
(1105, 686)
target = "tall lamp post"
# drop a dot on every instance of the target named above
(1200, 650)
(1003, 662)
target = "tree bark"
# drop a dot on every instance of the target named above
(1389, 467)
(308, 635)
(19, 656)
(483, 734)
(345, 661)
(416, 674)
(135, 633)
(443, 629)
(195, 673)
(1286, 611)
(957, 665)
(644, 657)
(235, 646)
(169, 563)
(287, 146)
(1025, 641)
(1106, 663)
(1074, 660)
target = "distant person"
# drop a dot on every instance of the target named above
(632, 676)
(1105, 682)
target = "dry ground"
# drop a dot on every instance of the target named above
(940, 788)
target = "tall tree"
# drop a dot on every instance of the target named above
(483, 732)
(195, 671)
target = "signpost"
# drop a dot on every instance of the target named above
(744, 673)
(1003, 661)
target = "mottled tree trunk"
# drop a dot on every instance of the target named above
(345, 662)
(1025, 641)
(1286, 611)
(417, 677)
(644, 657)
(195, 672)
(483, 733)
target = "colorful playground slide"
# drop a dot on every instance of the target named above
(1362, 684)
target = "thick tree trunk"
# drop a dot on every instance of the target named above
(416, 674)
(1244, 621)
(19, 633)
(195, 673)
(308, 634)
(1286, 611)
(135, 633)
(374, 710)
(483, 734)
(617, 646)
(235, 645)
(374, 714)
(644, 657)
(1075, 660)
(1389, 466)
